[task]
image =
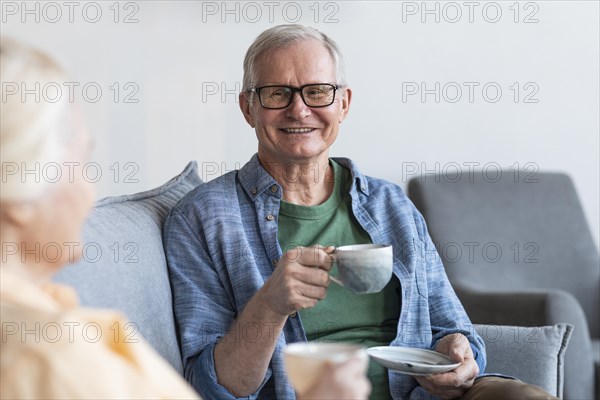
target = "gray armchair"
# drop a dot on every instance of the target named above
(520, 253)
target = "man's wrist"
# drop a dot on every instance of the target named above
(261, 308)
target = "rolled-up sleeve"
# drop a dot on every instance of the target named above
(202, 373)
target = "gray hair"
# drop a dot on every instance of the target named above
(33, 131)
(283, 36)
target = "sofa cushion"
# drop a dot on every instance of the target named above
(535, 355)
(124, 267)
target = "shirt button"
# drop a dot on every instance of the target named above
(254, 191)
(274, 262)
(270, 217)
(293, 315)
(274, 189)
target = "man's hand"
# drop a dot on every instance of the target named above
(299, 281)
(453, 384)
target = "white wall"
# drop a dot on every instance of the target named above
(177, 54)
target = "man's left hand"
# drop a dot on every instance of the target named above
(453, 384)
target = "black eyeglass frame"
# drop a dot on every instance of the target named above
(294, 90)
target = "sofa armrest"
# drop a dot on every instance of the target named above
(533, 354)
(539, 308)
(535, 308)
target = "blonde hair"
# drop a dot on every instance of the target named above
(33, 130)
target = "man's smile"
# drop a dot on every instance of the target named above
(297, 130)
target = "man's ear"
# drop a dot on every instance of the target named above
(245, 105)
(18, 214)
(346, 99)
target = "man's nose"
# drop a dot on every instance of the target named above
(297, 109)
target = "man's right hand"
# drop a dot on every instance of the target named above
(299, 281)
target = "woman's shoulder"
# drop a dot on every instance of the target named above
(77, 353)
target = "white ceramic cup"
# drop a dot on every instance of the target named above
(364, 268)
(305, 362)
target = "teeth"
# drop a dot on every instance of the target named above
(297, 130)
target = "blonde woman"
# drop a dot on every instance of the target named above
(43, 351)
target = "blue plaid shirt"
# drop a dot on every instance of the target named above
(221, 246)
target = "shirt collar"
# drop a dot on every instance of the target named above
(359, 181)
(48, 296)
(255, 179)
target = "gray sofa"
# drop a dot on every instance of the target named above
(124, 268)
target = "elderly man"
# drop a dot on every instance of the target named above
(249, 253)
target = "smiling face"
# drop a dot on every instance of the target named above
(297, 133)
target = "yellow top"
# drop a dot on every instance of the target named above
(53, 349)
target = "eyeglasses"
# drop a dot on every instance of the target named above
(313, 95)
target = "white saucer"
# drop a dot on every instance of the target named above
(411, 361)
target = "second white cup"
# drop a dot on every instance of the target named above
(305, 362)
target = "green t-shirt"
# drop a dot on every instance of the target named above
(367, 319)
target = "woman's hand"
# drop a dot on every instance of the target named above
(347, 380)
